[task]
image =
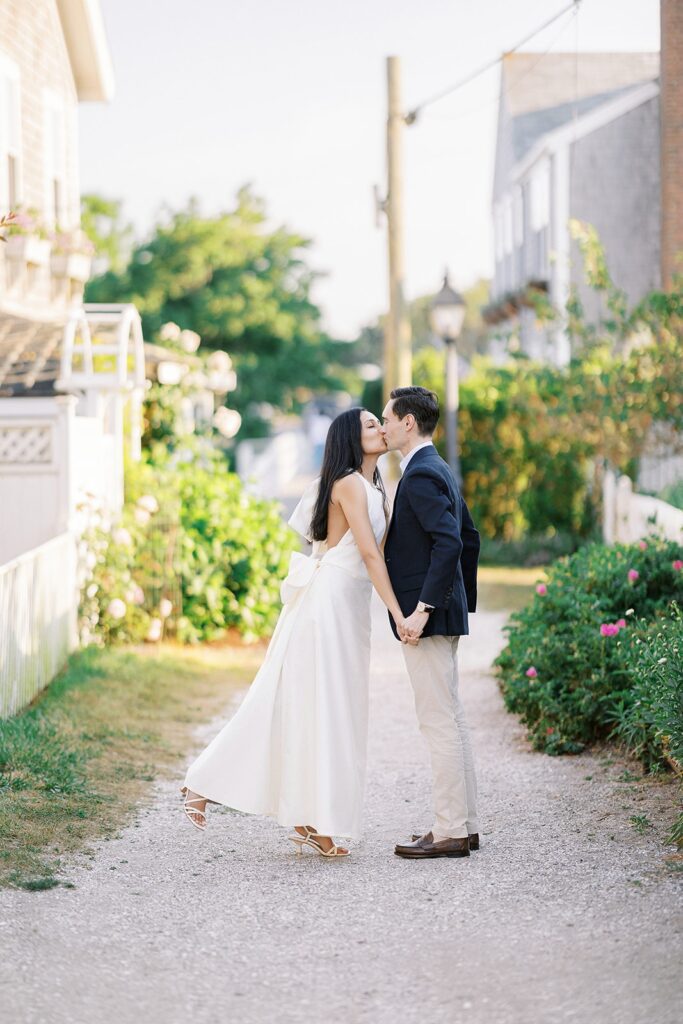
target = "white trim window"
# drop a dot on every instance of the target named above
(55, 160)
(10, 135)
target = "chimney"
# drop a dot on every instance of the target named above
(671, 122)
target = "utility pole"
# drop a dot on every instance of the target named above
(397, 354)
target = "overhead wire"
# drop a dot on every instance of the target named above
(413, 114)
(515, 81)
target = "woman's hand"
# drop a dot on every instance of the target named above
(402, 629)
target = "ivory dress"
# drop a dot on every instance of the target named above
(296, 747)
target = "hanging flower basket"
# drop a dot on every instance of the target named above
(74, 265)
(28, 249)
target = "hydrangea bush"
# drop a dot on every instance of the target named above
(192, 556)
(573, 665)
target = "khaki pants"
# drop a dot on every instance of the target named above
(433, 670)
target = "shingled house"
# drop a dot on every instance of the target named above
(578, 137)
(69, 375)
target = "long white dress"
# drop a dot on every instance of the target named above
(296, 747)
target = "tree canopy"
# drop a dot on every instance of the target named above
(243, 287)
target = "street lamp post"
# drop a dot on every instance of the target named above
(447, 315)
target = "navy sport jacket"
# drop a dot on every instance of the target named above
(432, 547)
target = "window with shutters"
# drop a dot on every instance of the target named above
(10, 135)
(56, 198)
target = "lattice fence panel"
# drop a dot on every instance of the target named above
(26, 444)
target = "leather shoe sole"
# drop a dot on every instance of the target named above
(403, 851)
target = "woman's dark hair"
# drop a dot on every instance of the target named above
(343, 456)
(421, 403)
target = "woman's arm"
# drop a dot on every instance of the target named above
(350, 495)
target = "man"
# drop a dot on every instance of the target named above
(431, 552)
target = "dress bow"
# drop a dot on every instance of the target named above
(301, 571)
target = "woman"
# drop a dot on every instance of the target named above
(296, 748)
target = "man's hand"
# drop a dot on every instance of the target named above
(403, 635)
(414, 625)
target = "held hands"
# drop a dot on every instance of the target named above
(410, 629)
(402, 634)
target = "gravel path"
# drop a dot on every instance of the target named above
(565, 914)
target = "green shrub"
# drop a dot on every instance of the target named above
(673, 494)
(650, 723)
(566, 679)
(194, 555)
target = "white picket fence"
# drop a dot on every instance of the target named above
(269, 465)
(628, 516)
(38, 620)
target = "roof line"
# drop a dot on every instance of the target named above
(586, 123)
(412, 115)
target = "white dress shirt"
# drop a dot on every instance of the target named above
(406, 459)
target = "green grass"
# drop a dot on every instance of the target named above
(506, 588)
(75, 764)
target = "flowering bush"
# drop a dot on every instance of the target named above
(115, 606)
(193, 556)
(65, 243)
(27, 221)
(579, 638)
(651, 721)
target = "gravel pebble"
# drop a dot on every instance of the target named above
(565, 914)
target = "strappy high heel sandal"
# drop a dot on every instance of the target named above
(190, 810)
(311, 839)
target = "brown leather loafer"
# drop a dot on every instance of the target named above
(425, 848)
(473, 838)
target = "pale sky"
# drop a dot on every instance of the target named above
(290, 96)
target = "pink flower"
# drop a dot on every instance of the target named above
(541, 589)
(549, 731)
(677, 565)
(621, 623)
(609, 629)
(633, 575)
(531, 672)
(642, 545)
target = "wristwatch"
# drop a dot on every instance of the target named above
(422, 607)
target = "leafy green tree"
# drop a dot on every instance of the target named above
(244, 288)
(102, 221)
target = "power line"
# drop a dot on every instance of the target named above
(515, 81)
(412, 115)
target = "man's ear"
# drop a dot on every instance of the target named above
(409, 421)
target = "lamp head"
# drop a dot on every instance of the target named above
(447, 312)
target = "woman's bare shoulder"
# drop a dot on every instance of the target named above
(347, 487)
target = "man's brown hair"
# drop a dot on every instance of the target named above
(420, 403)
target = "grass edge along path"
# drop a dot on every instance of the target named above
(75, 764)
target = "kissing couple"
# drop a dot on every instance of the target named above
(295, 750)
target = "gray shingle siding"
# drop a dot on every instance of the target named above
(614, 185)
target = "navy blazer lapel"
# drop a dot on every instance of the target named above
(418, 457)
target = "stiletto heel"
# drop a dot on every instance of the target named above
(190, 810)
(311, 839)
